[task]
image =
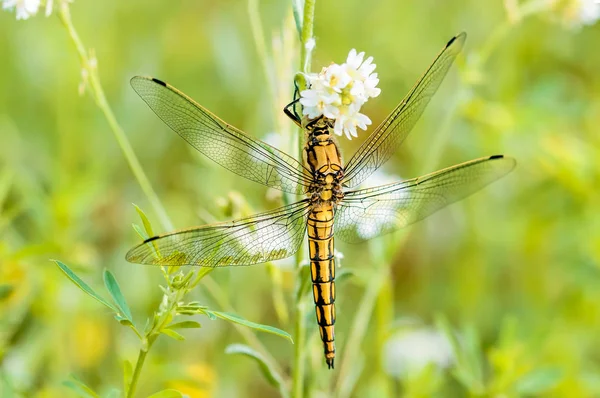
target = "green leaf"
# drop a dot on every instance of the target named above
(114, 393)
(166, 394)
(5, 290)
(539, 381)
(127, 373)
(241, 321)
(115, 291)
(123, 321)
(305, 281)
(344, 274)
(270, 374)
(83, 286)
(185, 325)
(468, 368)
(140, 231)
(145, 221)
(209, 314)
(148, 228)
(172, 334)
(78, 386)
(298, 9)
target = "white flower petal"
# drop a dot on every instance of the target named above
(24, 8)
(338, 126)
(339, 91)
(367, 67)
(49, 6)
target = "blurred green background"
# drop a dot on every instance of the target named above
(513, 271)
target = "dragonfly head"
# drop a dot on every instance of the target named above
(319, 129)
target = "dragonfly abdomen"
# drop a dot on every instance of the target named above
(322, 268)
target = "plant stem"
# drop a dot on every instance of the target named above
(345, 384)
(261, 49)
(307, 46)
(92, 79)
(307, 39)
(89, 65)
(137, 371)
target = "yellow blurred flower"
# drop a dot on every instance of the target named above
(14, 278)
(199, 383)
(89, 340)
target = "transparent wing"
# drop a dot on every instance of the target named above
(226, 145)
(367, 213)
(388, 136)
(264, 237)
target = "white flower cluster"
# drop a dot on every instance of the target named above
(588, 11)
(27, 8)
(575, 14)
(339, 91)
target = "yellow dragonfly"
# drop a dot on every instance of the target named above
(333, 206)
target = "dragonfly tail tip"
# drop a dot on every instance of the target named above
(329, 363)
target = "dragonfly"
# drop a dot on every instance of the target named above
(332, 204)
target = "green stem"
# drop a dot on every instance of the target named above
(261, 49)
(89, 65)
(307, 46)
(345, 383)
(307, 39)
(137, 371)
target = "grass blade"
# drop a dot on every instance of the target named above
(166, 394)
(270, 374)
(80, 387)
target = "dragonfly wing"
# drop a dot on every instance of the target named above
(390, 134)
(226, 145)
(367, 213)
(264, 237)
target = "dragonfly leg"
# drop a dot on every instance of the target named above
(292, 114)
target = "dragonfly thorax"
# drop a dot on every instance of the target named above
(322, 157)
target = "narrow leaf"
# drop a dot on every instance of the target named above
(149, 232)
(115, 291)
(298, 9)
(539, 381)
(140, 231)
(304, 285)
(344, 274)
(167, 394)
(185, 325)
(241, 321)
(172, 334)
(77, 385)
(145, 221)
(123, 321)
(114, 393)
(270, 374)
(83, 286)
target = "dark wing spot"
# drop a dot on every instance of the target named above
(496, 157)
(159, 82)
(151, 239)
(454, 38)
